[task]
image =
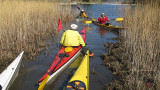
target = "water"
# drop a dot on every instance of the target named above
(32, 71)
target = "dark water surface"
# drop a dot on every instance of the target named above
(32, 71)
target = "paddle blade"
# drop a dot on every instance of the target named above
(88, 22)
(92, 54)
(93, 19)
(43, 83)
(119, 19)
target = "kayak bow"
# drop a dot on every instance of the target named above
(80, 80)
(8, 76)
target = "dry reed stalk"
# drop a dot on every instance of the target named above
(142, 44)
(25, 25)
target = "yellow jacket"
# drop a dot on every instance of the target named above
(72, 38)
(83, 14)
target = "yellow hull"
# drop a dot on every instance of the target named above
(81, 76)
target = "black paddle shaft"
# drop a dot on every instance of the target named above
(78, 8)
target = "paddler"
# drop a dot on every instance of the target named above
(72, 37)
(82, 13)
(102, 19)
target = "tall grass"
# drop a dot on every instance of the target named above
(25, 25)
(142, 45)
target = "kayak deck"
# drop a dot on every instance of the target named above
(80, 78)
(57, 67)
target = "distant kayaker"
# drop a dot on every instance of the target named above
(72, 37)
(82, 13)
(102, 19)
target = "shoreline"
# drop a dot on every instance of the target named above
(114, 61)
(77, 3)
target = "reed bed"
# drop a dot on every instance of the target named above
(142, 46)
(26, 25)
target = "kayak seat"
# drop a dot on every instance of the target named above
(107, 24)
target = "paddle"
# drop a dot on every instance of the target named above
(118, 19)
(43, 83)
(84, 50)
(91, 53)
(78, 8)
(88, 22)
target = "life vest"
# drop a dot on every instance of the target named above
(82, 14)
(103, 20)
(72, 38)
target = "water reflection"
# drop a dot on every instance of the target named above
(102, 31)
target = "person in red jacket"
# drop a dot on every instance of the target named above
(103, 19)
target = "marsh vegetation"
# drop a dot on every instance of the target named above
(136, 59)
(26, 25)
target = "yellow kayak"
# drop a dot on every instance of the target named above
(80, 79)
(108, 26)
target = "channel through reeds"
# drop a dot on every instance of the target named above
(26, 25)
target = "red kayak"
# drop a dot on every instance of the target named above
(57, 67)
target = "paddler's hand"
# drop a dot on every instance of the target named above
(82, 45)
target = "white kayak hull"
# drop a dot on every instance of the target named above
(53, 76)
(10, 73)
